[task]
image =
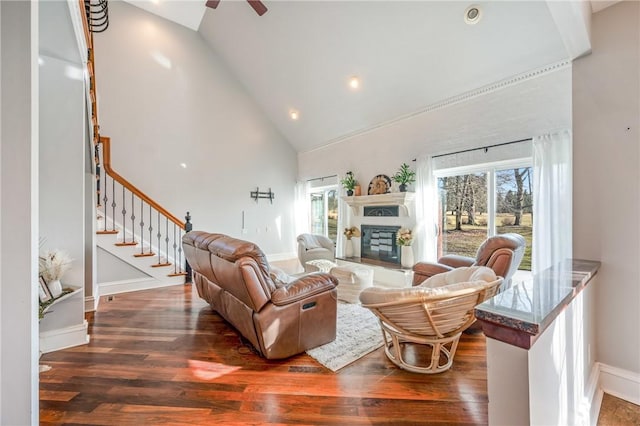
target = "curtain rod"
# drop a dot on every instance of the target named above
(321, 178)
(482, 147)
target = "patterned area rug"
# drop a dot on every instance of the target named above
(358, 333)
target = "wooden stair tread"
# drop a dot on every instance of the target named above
(124, 244)
(144, 254)
(158, 265)
(107, 232)
(177, 274)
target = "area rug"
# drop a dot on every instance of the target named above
(358, 333)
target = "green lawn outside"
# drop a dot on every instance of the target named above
(467, 241)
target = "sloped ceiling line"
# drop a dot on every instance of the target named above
(516, 79)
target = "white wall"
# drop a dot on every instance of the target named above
(606, 117)
(518, 111)
(62, 162)
(164, 99)
(110, 268)
(18, 213)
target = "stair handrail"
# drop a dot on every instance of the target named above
(106, 158)
(104, 162)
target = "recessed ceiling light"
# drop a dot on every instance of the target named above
(472, 14)
(294, 114)
(183, 165)
(354, 83)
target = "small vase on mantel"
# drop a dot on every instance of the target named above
(348, 248)
(406, 256)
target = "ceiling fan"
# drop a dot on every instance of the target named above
(257, 5)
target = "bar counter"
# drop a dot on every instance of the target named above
(520, 314)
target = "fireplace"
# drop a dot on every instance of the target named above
(378, 243)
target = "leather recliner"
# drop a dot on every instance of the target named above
(502, 253)
(279, 319)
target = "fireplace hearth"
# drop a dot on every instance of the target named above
(378, 243)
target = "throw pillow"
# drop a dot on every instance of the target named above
(279, 277)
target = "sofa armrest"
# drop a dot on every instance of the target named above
(456, 261)
(424, 270)
(308, 285)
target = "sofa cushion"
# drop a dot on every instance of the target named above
(460, 275)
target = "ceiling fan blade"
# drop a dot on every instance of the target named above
(213, 3)
(258, 6)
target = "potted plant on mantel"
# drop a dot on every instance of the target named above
(349, 182)
(404, 177)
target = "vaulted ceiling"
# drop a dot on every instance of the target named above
(300, 55)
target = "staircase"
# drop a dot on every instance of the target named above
(131, 225)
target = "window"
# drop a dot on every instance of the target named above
(480, 201)
(324, 212)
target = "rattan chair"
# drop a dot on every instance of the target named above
(433, 314)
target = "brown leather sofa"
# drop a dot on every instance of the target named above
(502, 253)
(280, 319)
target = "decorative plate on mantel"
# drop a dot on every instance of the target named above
(379, 185)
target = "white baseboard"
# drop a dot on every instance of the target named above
(124, 286)
(62, 338)
(276, 257)
(91, 303)
(620, 383)
(590, 411)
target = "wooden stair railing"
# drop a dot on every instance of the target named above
(96, 19)
(121, 197)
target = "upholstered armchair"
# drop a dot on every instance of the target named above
(432, 315)
(314, 247)
(502, 253)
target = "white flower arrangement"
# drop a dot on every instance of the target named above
(53, 264)
(404, 237)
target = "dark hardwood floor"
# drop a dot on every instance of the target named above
(163, 357)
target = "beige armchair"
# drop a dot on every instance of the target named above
(314, 247)
(433, 314)
(502, 253)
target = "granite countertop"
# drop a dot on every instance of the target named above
(521, 313)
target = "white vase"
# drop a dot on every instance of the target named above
(348, 248)
(406, 256)
(55, 287)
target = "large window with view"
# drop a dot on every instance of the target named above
(481, 201)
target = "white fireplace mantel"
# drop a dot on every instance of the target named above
(402, 199)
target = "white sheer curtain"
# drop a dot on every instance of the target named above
(552, 194)
(343, 221)
(301, 213)
(426, 204)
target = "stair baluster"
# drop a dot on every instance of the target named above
(124, 222)
(113, 205)
(141, 226)
(133, 220)
(150, 230)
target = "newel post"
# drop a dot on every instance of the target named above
(188, 226)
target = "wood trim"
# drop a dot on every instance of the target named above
(85, 25)
(106, 155)
(148, 254)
